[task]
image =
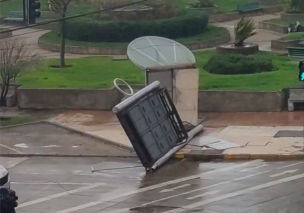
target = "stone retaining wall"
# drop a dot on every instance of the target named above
(123, 50)
(237, 15)
(292, 18)
(105, 99)
(284, 44)
(273, 27)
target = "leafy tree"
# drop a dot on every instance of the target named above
(15, 59)
(244, 29)
(61, 7)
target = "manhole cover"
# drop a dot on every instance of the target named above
(289, 134)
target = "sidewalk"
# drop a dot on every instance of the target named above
(255, 135)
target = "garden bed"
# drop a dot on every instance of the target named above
(212, 37)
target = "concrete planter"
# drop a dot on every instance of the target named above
(291, 17)
(123, 50)
(273, 27)
(105, 99)
(245, 50)
(284, 44)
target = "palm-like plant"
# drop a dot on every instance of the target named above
(244, 29)
(61, 7)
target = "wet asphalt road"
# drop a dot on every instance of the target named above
(64, 185)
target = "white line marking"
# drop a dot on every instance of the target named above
(12, 149)
(237, 193)
(172, 189)
(51, 183)
(206, 187)
(114, 210)
(59, 195)
(203, 195)
(246, 170)
(114, 195)
(283, 167)
(284, 173)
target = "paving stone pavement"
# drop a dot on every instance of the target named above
(254, 133)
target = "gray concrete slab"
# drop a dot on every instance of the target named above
(66, 185)
(43, 138)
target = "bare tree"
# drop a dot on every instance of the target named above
(15, 59)
(61, 7)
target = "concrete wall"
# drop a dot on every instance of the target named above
(209, 101)
(273, 27)
(102, 99)
(123, 50)
(283, 44)
(292, 18)
(5, 35)
(237, 15)
(241, 101)
(224, 17)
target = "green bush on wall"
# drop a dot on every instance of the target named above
(125, 31)
(230, 64)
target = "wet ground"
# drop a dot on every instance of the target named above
(44, 138)
(65, 185)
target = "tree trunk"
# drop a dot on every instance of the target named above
(62, 51)
(2, 98)
(4, 91)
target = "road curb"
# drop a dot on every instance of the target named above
(65, 155)
(82, 133)
(282, 157)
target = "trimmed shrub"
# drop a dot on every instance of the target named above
(125, 31)
(229, 64)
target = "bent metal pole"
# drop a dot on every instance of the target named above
(140, 94)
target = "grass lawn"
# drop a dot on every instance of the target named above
(99, 72)
(7, 121)
(294, 36)
(211, 32)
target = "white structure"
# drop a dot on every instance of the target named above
(173, 65)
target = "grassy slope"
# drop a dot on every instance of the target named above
(212, 32)
(99, 72)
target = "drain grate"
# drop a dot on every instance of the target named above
(289, 134)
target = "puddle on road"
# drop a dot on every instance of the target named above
(151, 209)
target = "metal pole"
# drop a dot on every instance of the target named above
(24, 12)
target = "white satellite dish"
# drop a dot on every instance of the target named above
(152, 52)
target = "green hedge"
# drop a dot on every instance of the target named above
(230, 64)
(125, 31)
